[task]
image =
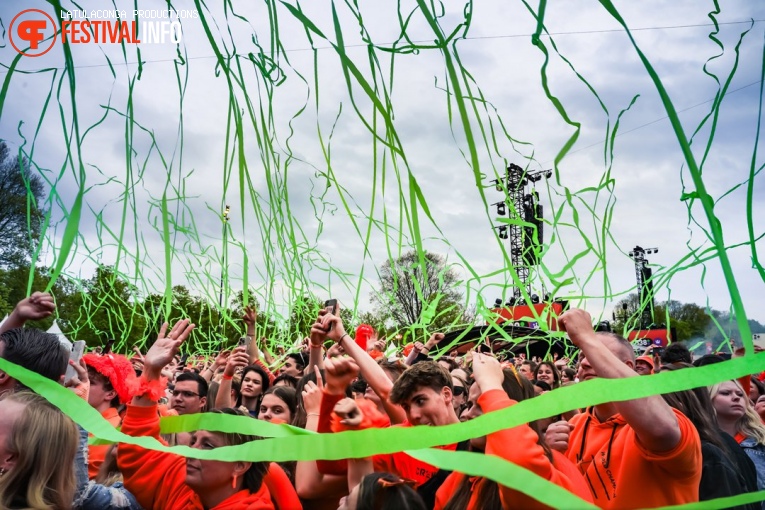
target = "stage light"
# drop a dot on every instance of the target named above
(503, 232)
(547, 298)
(500, 208)
(497, 303)
(548, 174)
(511, 302)
(534, 299)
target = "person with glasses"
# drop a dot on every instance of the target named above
(189, 393)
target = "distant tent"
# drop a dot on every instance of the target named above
(55, 330)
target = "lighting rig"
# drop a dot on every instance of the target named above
(525, 242)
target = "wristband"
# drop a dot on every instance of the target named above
(346, 335)
(312, 414)
(227, 377)
(153, 390)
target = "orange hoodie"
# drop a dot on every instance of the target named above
(97, 453)
(623, 474)
(158, 479)
(518, 445)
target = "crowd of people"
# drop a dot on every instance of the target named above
(671, 449)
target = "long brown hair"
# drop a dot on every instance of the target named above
(45, 441)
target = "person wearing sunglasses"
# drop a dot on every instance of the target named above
(460, 394)
(189, 394)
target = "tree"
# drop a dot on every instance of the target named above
(21, 195)
(104, 308)
(412, 293)
(689, 320)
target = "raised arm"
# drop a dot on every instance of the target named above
(652, 419)
(35, 307)
(237, 359)
(373, 373)
(309, 482)
(220, 360)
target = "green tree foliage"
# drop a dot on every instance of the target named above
(105, 307)
(22, 193)
(692, 323)
(426, 295)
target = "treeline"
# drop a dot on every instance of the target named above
(691, 322)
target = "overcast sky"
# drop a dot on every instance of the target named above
(302, 132)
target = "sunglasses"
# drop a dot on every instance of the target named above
(458, 391)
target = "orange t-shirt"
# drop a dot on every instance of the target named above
(623, 474)
(97, 453)
(519, 445)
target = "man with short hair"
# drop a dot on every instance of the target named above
(294, 364)
(676, 353)
(617, 446)
(644, 365)
(527, 369)
(31, 348)
(425, 393)
(189, 393)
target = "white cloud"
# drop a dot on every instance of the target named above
(646, 169)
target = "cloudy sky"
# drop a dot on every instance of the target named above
(318, 202)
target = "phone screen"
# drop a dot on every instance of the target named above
(330, 306)
(78, 348)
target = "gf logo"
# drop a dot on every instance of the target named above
(31, 26)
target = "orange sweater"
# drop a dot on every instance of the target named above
(623, 474)
(158, 479)
(520, 446)
(97, 453)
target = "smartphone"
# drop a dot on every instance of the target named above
(244, 341)
(330, 306)
(108, 347)
(658, 351)
(183, 361)
(78, 348)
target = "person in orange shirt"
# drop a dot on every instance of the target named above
(617, 446)
(496, 389)
(424, 392)
(167, 481)
(111, 378)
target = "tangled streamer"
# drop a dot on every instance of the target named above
(298, 128)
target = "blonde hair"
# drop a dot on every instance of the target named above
(750, 424)
(45, 441)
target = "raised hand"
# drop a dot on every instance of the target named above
(578, 324)
(166, 347)
(312, 393)
(238, 359)
(340, 372)
(249, 318)
(487, 372)
(348, 411)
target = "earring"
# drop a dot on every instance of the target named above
(3, 471)
(233, 484)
